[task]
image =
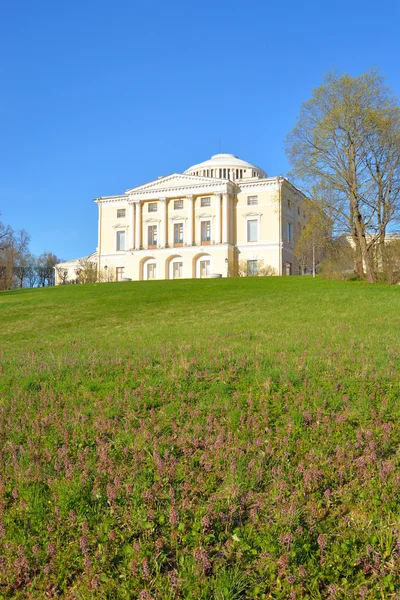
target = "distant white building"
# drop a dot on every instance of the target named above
(218, 215)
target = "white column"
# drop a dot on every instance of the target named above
(131, 243)
(231, 208)
(224, 218)
(217, 234)
(189, 233)
(163, 224)
(138, 225)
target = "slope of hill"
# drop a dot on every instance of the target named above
(200, 439)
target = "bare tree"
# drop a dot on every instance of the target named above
(62, 275)
(314, 238)
(87, 271)
(14, 247)
(23, 268)
(345, 152)
(45, 268)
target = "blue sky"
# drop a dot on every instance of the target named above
(100, 96)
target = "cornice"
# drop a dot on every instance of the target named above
(258, 184)
(174, 192)
(110, 199)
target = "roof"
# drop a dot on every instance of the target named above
(225, 160)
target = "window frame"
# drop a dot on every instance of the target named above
(152, 205)
(205, 202)
(119, 211)
(119, 273)
(256, 221)
(253, 273)
(204, 225)
(289, 232)
(153, 267)
(178, 227)
(180, 268)
(152, 234)
(250, 200)
(204, 262)
(180, 202)
(119, 233)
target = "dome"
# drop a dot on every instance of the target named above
(226, 166)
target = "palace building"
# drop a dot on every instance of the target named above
(220, 217)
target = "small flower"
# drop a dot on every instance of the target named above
(145, 568)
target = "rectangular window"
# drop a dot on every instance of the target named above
(151, 271)
(252, 200)
(178, 204)
(152, 236)
(252, 268)
(205, 202)
(152, 206)
(205, 232)
(178, 234)
(204, 268)
(120, 273)
(252, 230)
(177, 270)
(290, 233)
(120, 240)
(121, 213)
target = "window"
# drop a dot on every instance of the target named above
(177, 268)
(121, 213)
(152, 271)
(178, 234)
(252, 200)
(289, 233)
(152, 206)
(252, 268)
(178, 204)
(252, 230)
(205, 202)
(204, 268)
(120, 273)
(205, 232)
(120, 240)
(152, 236)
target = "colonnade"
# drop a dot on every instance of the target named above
(223, 215)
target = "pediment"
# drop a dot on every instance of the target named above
(175, 181)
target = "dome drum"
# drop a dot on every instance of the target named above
(226, 166)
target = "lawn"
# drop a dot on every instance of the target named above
(215, 439)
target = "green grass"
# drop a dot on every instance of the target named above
(234, 438)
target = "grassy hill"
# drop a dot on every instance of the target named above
(200, 439)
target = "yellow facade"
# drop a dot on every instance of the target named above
(197, 225)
